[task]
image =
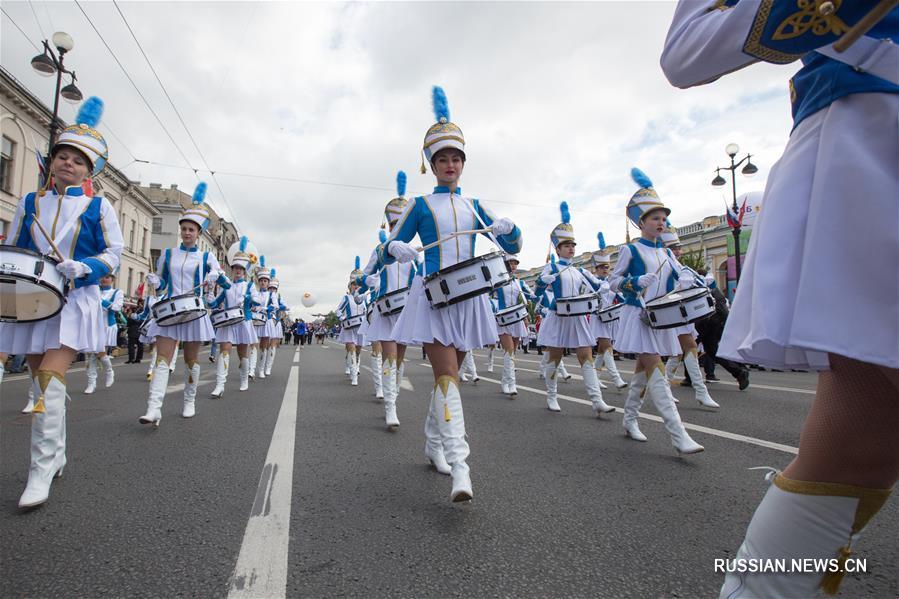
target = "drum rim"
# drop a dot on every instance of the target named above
(197, 315)
(394, 292)
(62, 304)
(509, 309)
(26, 251)
(458, 265)
(578, 297)
(654, 303)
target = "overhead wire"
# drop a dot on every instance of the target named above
(38, 21)
(16, 25)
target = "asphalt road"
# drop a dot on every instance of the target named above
(298, 485)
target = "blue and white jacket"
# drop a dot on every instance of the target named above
(348, 306)
(437, 215)
(112, 300)
(391, 277)
(241, 293)
(515, 293)
(182, 270)
(570, 282)
(637, 259)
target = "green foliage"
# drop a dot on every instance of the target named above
(693, 260)
(331, 319)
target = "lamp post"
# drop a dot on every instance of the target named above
(48, 64)
(750, 169)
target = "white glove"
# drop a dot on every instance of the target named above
(549, 279)
(372, 281)
(648, 280)
(684, 281)
(211, 278)
(402, 251)
(210, 297)
(153, 280)
(73, 269)
(604, 287)
(502, 226)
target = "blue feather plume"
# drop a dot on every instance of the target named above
(199, 193)
(602, 240)
(640, 178)
(261, 261)
(90, 112)
(441, 107)
(358, 263)
(243, 243)
(382, 235)
(566, 215)
(273, 273)
(401, 184)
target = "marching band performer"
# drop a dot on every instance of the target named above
(370, 280)
(602, 331)
(686, 334)
(112, 300)
(146, 315)
(642, 270)
(545, 299)
(515, 293)
(837, 175)
(277, 330)
(352, 305)
(243, 294)
(559, 332)
(447, 332)
(183, 270)
(86, 232)
(265, 332)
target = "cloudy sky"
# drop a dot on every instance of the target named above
(307, 110)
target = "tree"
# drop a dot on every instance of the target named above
(331, 319)
(693, 260)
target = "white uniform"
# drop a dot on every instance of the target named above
(182, 274)
(347, 308)
(112, 300)
(391, 278)
(241, 294)
(604, 330)
(517, 292)
(566, 331)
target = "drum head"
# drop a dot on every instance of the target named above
(25, 301)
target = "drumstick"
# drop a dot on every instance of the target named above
(880, 10)
(451, 236)
(49, 240)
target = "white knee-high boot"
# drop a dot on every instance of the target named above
(433, 442)
(152, 365)
(509, 383)
(490, 353)
(110, 373)
(263, 356)
(91, 374)
(48, 437)
(551, 378)
(671, 367)
(174, 359)
(608, 360)
(469, 368)
(562, 371)
(632, 406)
(691, 365)
(591, 383)
(254, 356)
(270, 360)
(389, 392)
(221, 373)
(244, 374)
(158, 384)
(802, 520)
(30, 405)
(451, 422)
(349, 365)
(401, 369)
(657, 389)
(377, 366)
(544, 360)
(354, 369)
(191, 381)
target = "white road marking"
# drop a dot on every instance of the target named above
(693, 427)
(261, 569)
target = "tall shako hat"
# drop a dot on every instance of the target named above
(602, 256)
(563, 231)
(357, 270)
(669, 235)
(274, 283)
(198, 212)
(644, 200)
(263, 272)
(84, 136)
(243, 253)
(395, 207)
(443, 133)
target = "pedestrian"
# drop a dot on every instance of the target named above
(135, 347)
(88, 236)
(787, 312)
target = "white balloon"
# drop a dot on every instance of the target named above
(308, 300)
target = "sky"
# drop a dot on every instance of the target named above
(306, 111)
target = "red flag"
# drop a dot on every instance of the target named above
(88, 187)
(139, 292)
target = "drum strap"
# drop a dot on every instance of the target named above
(167, 271)
(63, 231)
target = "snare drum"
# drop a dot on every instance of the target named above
(510, 316)
(393, 302)
(226, 317)
(469, 278)
(680, 308)
(352, 322)
(579, 305)
(145, 327)
(610, 314)
(178, 310)
(31, 288)
(259, 319)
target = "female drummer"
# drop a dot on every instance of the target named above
(447, 332)
(112, 300)
(786, 314)
(370, 280)
(265, 332)
(640, 275)
(515, 293)
(352, 304)
(242, 294)
(605, 331)
(273, 327)
(146, 315)
(572, 332)
(85, 231)
(183, 270)
(686, 334)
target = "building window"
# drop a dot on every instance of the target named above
(131, 236)
(6, 160)
(143, 242)
(157, 224)
(4, 229)
(130, 277)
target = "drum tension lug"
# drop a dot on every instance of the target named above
(486, 272)
(683, 311)
(444, 288)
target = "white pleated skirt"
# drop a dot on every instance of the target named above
(518, 330)
(603, 330)
(821, 272)
(267, 330)
(634, 337)
(112, 335)
(381, 327)
(241, 333)
(687, 329)
(195, 330)
(279, 329)
(468, 325)
(350, 336)
(362, 331)
(81, 325)
(565, 331)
